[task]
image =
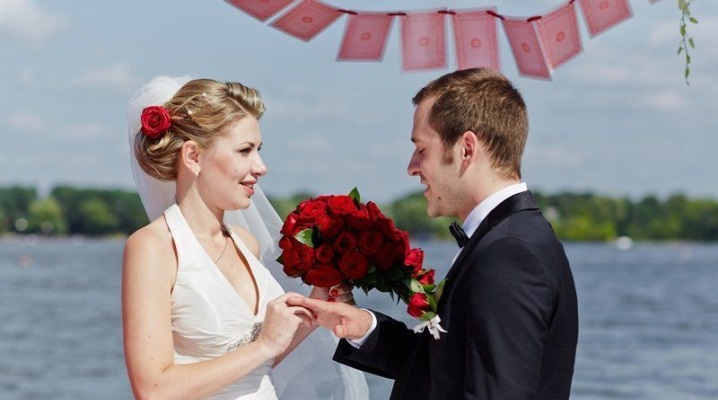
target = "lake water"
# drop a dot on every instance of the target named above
(648, 320)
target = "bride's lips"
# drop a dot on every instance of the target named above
(249, 187)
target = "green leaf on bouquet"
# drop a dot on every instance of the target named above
(280, 259)
(369, 279)
(382, 285)
(429, 288)
(354, 194)
(406, 282)
(371, 269)
(416, 287)
(305, 236)
(439, 290)
(394, 274)
(427, 315)
(432, 302)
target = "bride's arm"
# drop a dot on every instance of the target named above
(149, 272)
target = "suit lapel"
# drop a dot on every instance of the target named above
(518, 202)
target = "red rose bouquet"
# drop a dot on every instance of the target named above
(329, 240)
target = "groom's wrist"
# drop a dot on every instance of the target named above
(371, 322)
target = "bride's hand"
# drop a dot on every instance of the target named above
(281, 322)
(340, 293)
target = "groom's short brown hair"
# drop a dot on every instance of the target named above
(484, 102)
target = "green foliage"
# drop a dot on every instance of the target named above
(686, 43)
(15, 204)
(96, 218)
(591, 217)
(409, 213)
(574, 216)
(110, 211)
(45, 217)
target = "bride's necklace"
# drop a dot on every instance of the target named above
(226, 244)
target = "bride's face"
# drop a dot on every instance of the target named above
(232, 165)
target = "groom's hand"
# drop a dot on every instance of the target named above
(344, 320)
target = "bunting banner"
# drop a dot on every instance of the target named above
(307, 19)
(539, 44)
(603, 14)
(261, 9)
(558, 31)
(475, 39)
(365, 37)
(423, 41)
(526, 47)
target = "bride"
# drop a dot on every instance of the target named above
(202, 316)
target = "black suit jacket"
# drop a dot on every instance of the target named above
(509, 306)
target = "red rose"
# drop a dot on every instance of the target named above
(345, 242)
(289, 224)
(155, 121)
(418, 304)
(298, 256)
(370, 242)
(323, 276)
(360, 220)
(311, 210)
(341, 205)
(386, 256)
(353, 265)
(325, 254)
(374, 211)
(294, 270)
(285, 242)
(402, 244)
(329, 226)
(387, 227)
(425, 277)
(415, 259)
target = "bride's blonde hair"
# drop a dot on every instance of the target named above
(201, 110)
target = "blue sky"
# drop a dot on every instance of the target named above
(618, 119)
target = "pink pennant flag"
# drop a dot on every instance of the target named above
(307, 19)
(423, 41)
(559, 34)
(603, 14)
(526, 47)
(475, 39)
(260, 9)
(365, 36)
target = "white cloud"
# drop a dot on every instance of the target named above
(24, 19)
(26, 120)
(27, 76)
(553, 156)
(85, 130)
(117, 76)
(665, 100)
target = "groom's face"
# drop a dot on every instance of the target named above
(435, 168)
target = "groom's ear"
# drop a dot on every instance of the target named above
(190, 155)
(469, 147)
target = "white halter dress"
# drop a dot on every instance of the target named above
(209, 318)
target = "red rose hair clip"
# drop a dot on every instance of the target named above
(155, 121)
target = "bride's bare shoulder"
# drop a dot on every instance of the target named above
(154, 239)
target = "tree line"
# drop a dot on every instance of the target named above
(575, 216)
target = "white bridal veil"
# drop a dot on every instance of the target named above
(308, 372)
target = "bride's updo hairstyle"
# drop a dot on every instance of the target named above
(201, 110)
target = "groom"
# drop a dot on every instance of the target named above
(509, 304)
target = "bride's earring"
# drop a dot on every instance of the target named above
(196, 174)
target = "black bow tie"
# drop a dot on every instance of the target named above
(459, 234)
